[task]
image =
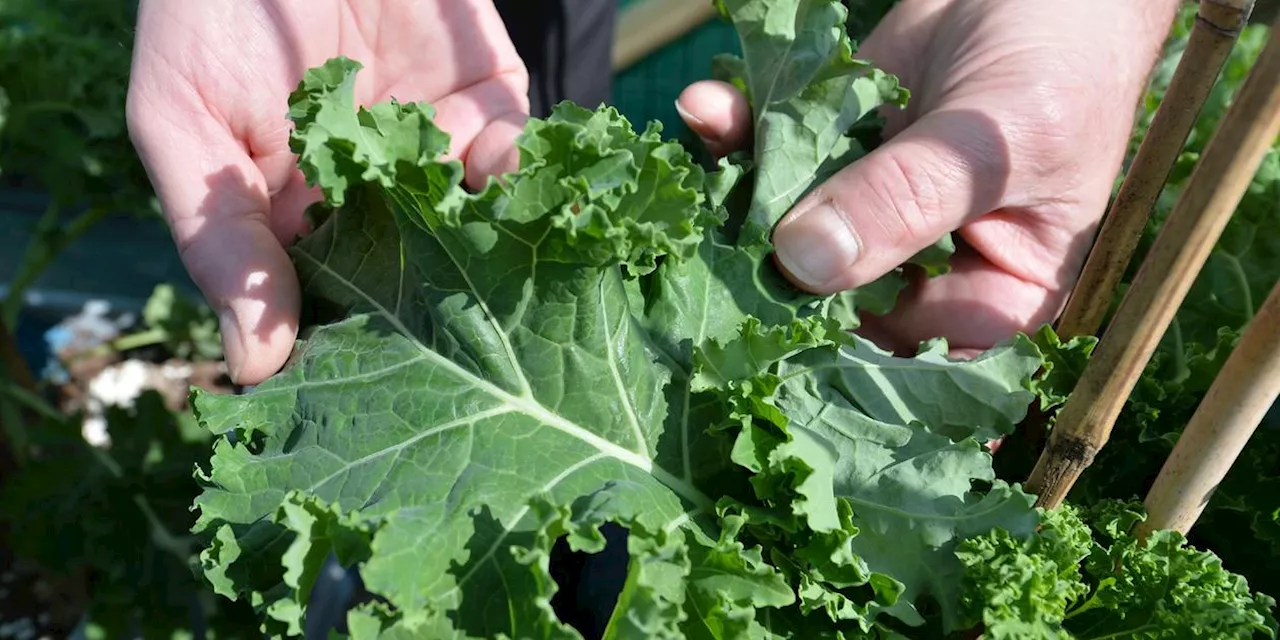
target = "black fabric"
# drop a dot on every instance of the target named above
(567, 46)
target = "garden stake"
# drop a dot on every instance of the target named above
(1214, 190)
(1217, 27)
(1228, 415)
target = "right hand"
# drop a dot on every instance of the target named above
(1018, 122)
(206, 110)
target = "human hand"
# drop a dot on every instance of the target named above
(206, 111)
(1018, 122)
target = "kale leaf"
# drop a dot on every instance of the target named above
(601, 337)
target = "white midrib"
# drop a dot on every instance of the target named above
(526, 388)
(688, 388)
(636, 432)
(527, 405)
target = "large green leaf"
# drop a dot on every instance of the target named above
(588, 340)
(485, 357)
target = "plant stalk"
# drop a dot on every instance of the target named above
(145, 338)
(15, 374)
(48, 242)
(1217, 27)
(1227, 417)
(1213, 192)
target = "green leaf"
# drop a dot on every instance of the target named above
(1021, 586)
(1064, 363)
(119, 515)
(484, 360)
(187, 330)
(983, 397)
(573, 345)
(64, 68)
(1035, 586)
(851, 456)
(806, 90)
(910, 485)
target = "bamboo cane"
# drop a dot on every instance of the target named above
(1217, 27)
(1219, 180)
(1227, 417)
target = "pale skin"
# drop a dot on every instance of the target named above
(1017, 126)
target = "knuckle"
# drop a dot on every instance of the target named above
(908, 197)
(1048, 125)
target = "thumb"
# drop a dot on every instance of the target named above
(216, 202)
(718, 113)
(945, 169)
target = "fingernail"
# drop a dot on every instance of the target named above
(232, 347)
(688, 117)
(699, 127)
(816, 246)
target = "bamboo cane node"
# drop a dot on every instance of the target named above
(1064, 459)
(1074, 450)
(1226, 32)
(1224, 17)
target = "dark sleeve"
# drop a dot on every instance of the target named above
(567, 46)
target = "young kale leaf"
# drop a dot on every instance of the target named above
(1085, 575)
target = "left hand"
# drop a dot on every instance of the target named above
(206, 112)
(1017, 126)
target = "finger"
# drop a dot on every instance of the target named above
(216, 202)
(875, 214)
(718, 113)
(974, 306)
(483, 122)
(494, 151)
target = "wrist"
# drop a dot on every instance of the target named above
(1139, 31)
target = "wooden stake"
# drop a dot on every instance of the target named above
(1230, 412)
(1217, 26)
(649, 25)
(1214, 190)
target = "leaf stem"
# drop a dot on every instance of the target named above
(145, 338)
(1214, 190)
(160, 534)
(14, 376)
(48, 242)
(177, 546)
(30, 401)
